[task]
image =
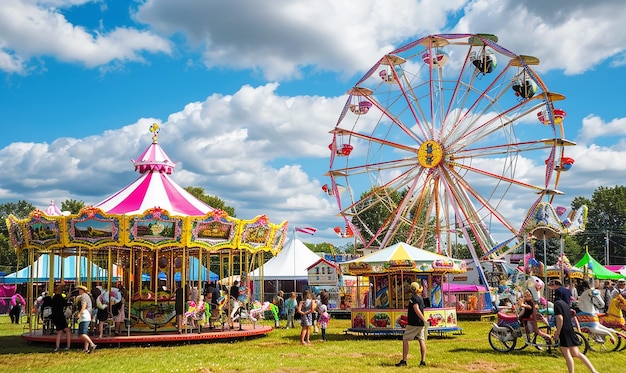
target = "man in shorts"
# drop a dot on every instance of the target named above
(415, 325)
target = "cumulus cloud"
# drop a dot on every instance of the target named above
(572, 36)
(594, 127)
(282, 39)
(229, 155)
(28, 30)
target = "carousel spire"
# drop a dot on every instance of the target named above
(154, 158)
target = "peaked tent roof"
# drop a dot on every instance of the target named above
(402, 256)
(42, 271)
(291, 263)
(154, 188)
(598, 269)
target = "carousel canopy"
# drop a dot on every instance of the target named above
(402, 257)
(153, 212)
(154, 188)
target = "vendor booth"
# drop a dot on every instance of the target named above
(390, 272)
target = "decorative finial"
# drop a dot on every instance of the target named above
(154, 128)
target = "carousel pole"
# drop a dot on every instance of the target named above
(130, 290)
(293, 242)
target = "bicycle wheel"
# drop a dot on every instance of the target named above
(583, 342)
(541, 343)
(502, 341)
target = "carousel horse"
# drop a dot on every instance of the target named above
(589, 302)
(258, 310)
(613, 318)
(195, 312)
(535, 285)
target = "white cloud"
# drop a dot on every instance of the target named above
(573, 36)
(230, 155)
(28, 30)
(281, 39)
(595, 127)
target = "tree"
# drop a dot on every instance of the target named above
(212, 201)
(21, 210)
(323, 247)
(72, 206)
(378, 207)
(606, 223)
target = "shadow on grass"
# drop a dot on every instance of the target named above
(528, 351)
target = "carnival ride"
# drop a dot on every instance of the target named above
(601, 338)
(504, 334)
(151, 227)
(434, 137)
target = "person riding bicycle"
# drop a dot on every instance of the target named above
(529, 314)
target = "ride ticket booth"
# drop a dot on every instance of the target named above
(390, 272)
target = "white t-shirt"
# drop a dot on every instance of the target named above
(85, 315)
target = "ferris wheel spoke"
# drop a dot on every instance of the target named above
(484, 202)
(489, 151)
(372, 139)
(497, 177)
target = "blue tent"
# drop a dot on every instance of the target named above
(205, 274)
(70, 265)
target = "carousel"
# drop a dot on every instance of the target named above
(391, 272)
(153, 237)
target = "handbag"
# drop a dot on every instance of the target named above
(67, 312)
(47, 312)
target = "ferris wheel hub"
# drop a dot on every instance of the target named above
(430, 154)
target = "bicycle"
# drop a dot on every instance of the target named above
(504, 334)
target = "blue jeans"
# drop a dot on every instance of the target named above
(290, 315)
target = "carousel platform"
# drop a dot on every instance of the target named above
(161, 337)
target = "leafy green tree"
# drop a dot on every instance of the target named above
(378, 207)
(606, 219)
(21, 210)
(324, 247)
(72, 206)
(212, 201)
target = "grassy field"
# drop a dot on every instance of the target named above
(280, 351)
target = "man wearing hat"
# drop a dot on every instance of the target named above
(84, 317)
(416, 325)
(621, 288)
(560, 292)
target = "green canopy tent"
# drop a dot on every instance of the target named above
(598, 270)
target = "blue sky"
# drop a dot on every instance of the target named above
(246, 95)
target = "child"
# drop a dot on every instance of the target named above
(323, 320)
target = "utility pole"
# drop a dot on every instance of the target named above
(606, 247)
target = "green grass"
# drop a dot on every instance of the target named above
(280, 351)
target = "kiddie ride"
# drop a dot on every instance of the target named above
(504, 334)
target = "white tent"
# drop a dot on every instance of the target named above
(70, 267)
(291, 263)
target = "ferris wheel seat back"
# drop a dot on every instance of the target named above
(440, 59)
(524, 88)
(361, 108)
(557, 114)
(565, 164)
(343, 150)
(387, 75)
(485, 61)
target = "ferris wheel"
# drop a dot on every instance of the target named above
(435, 136)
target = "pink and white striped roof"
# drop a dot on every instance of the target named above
(154, 188)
